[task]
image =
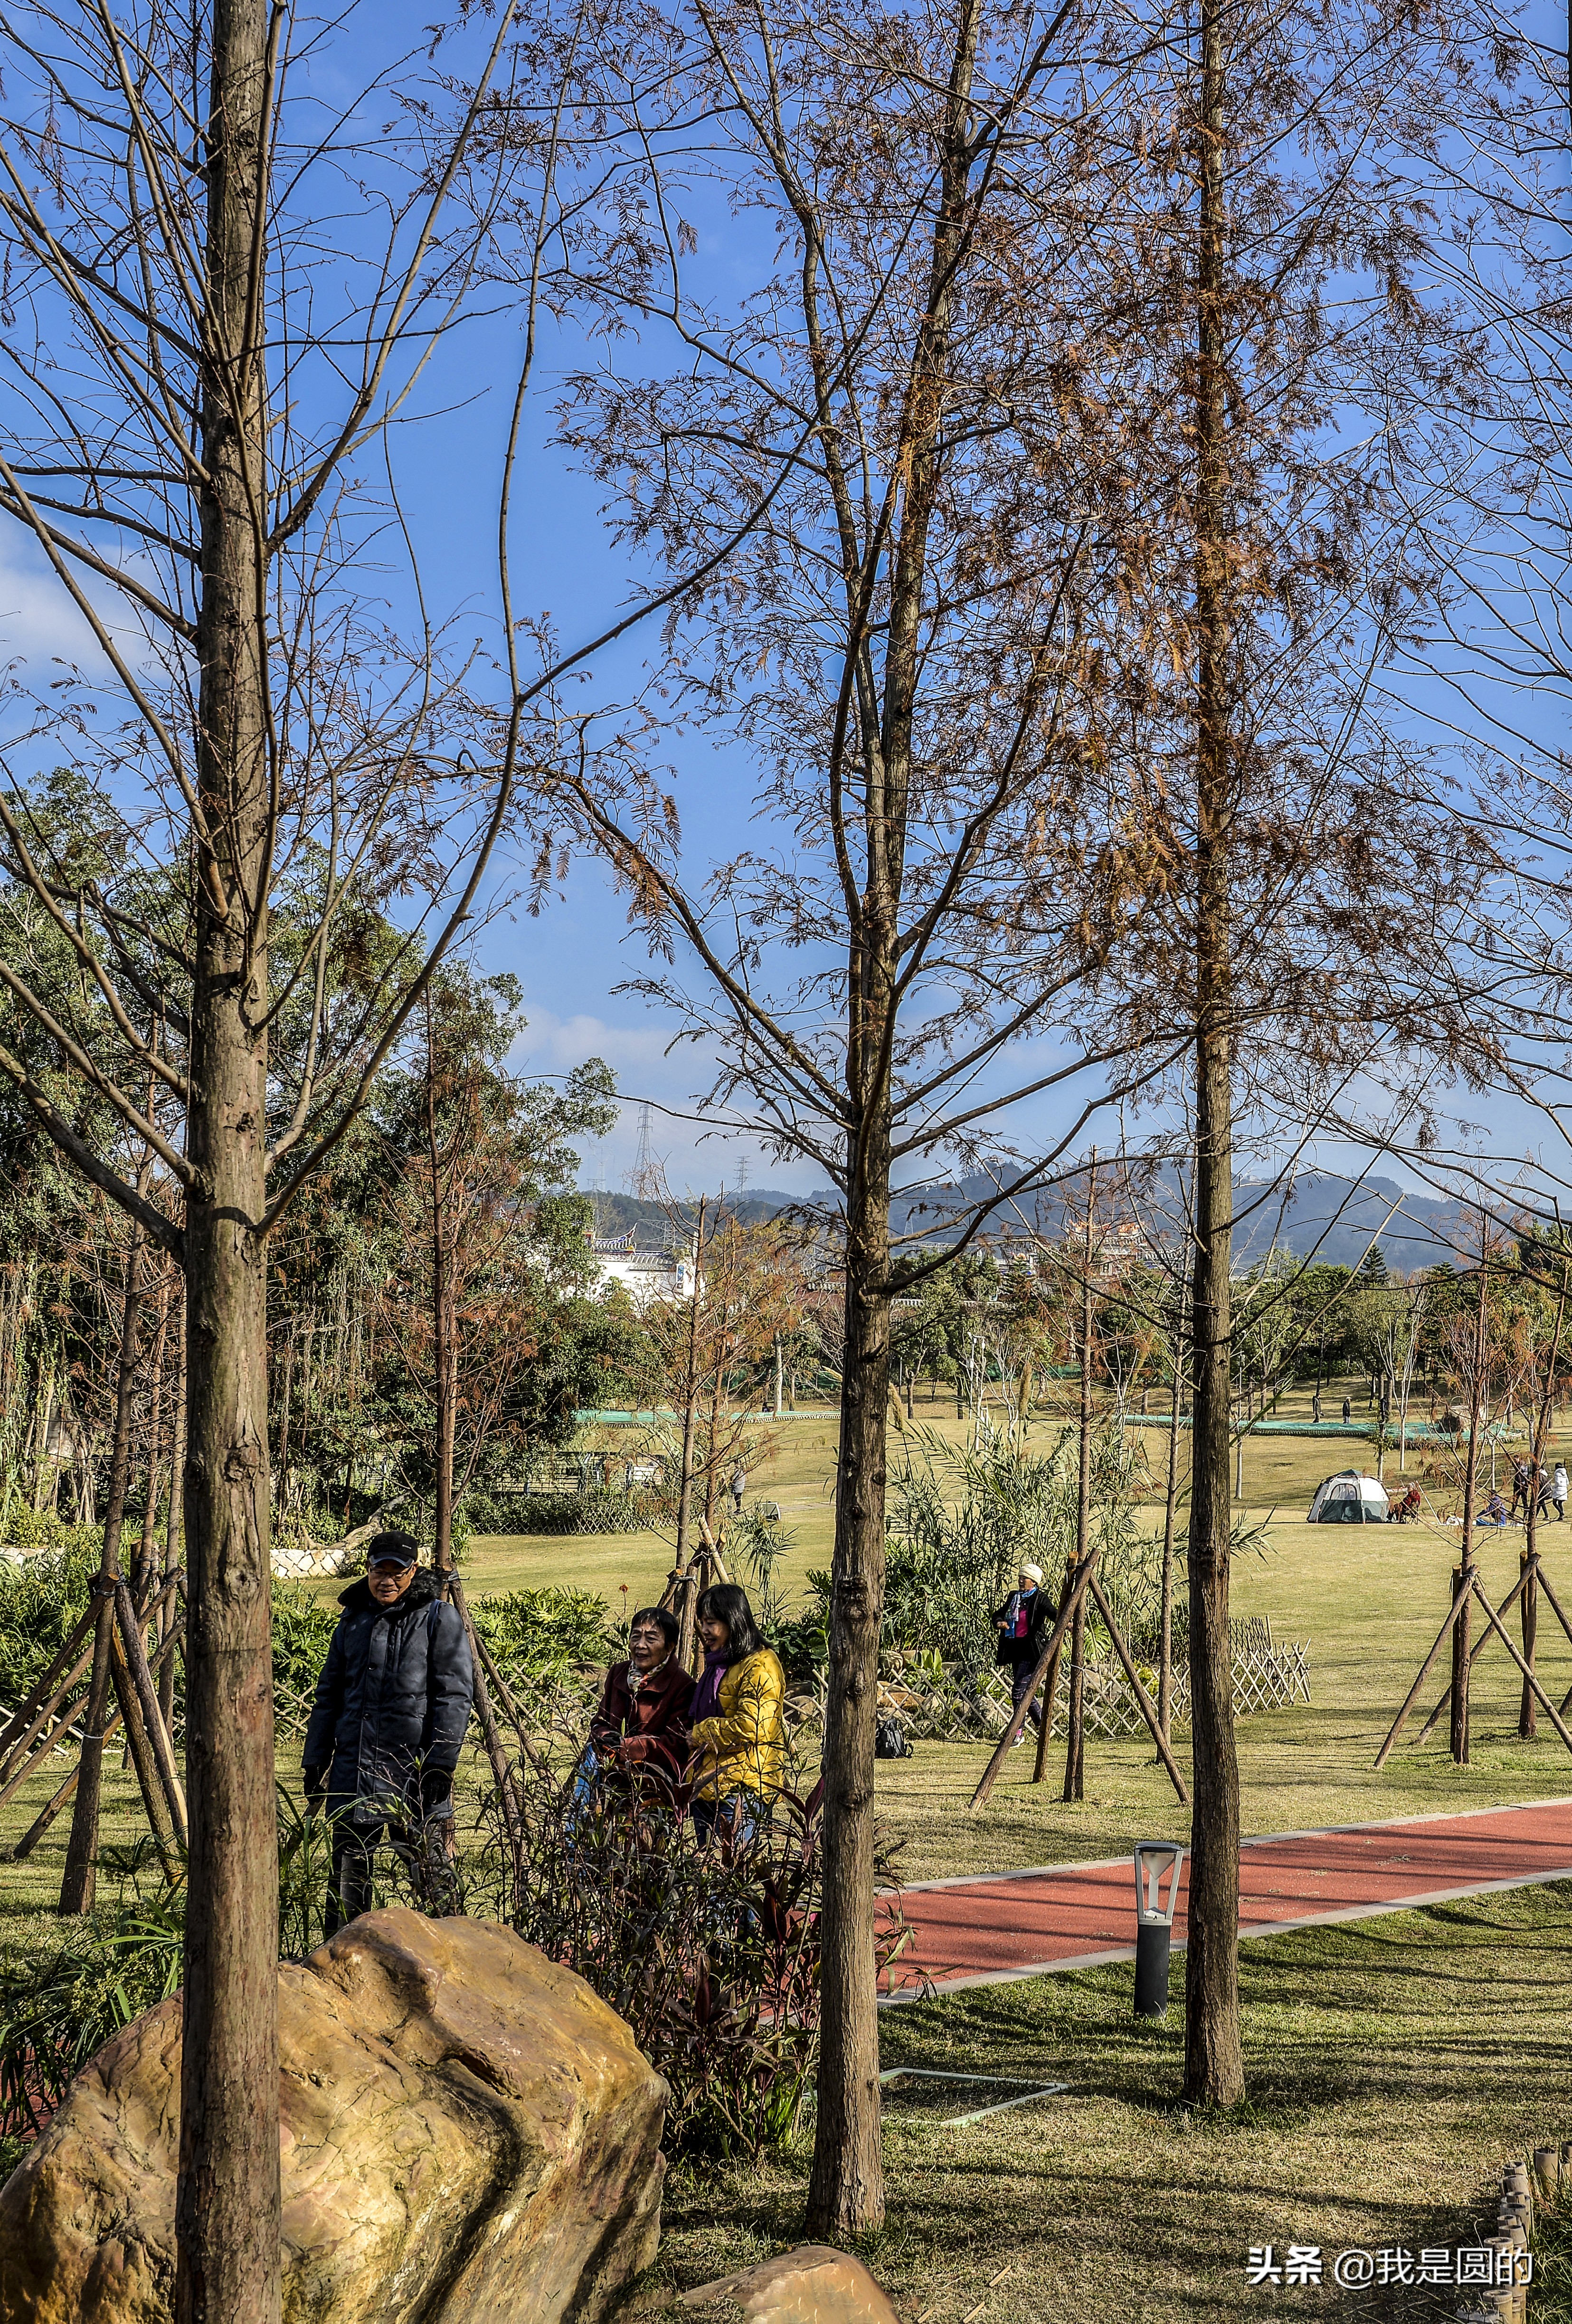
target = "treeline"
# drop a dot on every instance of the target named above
(435, 1315)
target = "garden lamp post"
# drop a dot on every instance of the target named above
(1157, 1861)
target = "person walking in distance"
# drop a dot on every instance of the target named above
(1558, 1490)
(1021, 1623)
(388, 1723)
(1347, 1412)
(739, 1487)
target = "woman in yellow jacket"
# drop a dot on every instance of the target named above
(735, 1727)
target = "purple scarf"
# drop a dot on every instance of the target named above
(707, 1695)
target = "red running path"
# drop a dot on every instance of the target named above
(983, 1930)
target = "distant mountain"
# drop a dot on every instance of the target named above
(650, 1223)
(1335, 1218)
(1319, 1214)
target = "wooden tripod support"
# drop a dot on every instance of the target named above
(1532, 1573)
(686, 1584)
(512, 1814)
(154, 1760)
(1080, 1581)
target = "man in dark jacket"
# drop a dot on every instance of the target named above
(392, 1704)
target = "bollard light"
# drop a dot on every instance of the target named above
(1157, 1861)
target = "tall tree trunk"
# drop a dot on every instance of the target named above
(713, 1458)
(1462, 1629)
(1170, 1506)
(227, 2213)
(846, 2187)
(80, 1880)
(846, 2191)
(1214, 2068)
(444, 1383)
(1528, 1709)
(144, 1577)
(284, 1408)
(175, 1526)
(684, 1502)
(1075, 1740)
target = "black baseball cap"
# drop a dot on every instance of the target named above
(392, 1549)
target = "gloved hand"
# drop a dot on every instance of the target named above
(436, 1792)
(314, 1780)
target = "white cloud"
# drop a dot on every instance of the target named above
(554, 1043)
(638, 1056)
(38, 621)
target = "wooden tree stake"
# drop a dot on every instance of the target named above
(1148, 1708)
(1506, 1607)
(1018, 1720)
(1430, 1660)
(1507, 1641)
(52, 1685)
(513, 1815)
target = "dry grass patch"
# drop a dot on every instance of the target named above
(1392, 2067)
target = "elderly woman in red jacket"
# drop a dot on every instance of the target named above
(643, 1718)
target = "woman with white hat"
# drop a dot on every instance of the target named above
(1023, 1623)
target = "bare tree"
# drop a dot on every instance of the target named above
(914, 398)
(1305, 939)
(188, 398)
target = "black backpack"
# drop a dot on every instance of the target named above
(889, 1739)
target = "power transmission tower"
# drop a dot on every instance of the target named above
(647, 1177)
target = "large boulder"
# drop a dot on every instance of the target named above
(814, 2284)
(469, 2135)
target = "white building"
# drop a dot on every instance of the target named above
(646, 1276)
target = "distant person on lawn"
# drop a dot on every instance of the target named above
(1558, 1490)
(642, 1722)
(1023, 1623)
(392, 1704)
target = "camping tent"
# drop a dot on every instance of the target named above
(1348, 1498)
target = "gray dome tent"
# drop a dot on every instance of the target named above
(1348, 1498)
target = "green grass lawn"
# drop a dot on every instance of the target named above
(1392, 2067)
(1367, 1600)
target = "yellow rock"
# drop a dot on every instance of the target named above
(467, 2135)
(814, 2284)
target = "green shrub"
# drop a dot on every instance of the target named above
(711, 1953)
(961, 1524)
(60, 2005)
(303, 1629)
(25, 1529)
(41, 1598)
(803, 1641)
(540, 1632)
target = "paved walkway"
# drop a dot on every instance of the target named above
(983, 1930)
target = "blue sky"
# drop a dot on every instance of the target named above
(570, 959)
